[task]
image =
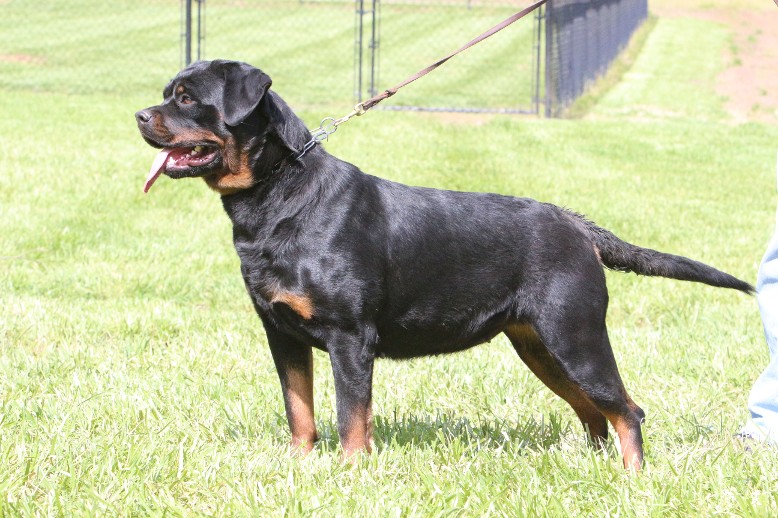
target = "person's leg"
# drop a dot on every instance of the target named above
(763, 400)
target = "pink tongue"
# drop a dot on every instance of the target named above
(157, 168)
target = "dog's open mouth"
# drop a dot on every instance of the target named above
(182, 162)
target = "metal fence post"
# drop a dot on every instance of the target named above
(374, 49)
(583, 37)
(549, 46)
(359, 10)
(200, 27)
(188, 35)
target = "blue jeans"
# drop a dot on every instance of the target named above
(763, 400)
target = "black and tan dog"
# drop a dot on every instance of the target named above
(364, 268)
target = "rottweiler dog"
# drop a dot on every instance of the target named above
(365, 268)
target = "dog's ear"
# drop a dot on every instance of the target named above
(244, 87)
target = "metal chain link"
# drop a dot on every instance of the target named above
(327, 127)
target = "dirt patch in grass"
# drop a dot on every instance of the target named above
(750, 80)
(21, 58)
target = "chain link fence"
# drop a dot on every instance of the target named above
(318, 51)
(370, 45)
(403, 36)
(131, 48)
(582, 39)
(306, 46)
(123, 47)
(322, 54)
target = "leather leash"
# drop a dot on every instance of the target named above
(329, 125)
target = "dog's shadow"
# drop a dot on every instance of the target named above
(448, 431)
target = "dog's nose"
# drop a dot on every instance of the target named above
(143, 116)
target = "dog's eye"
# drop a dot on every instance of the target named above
(185, 99)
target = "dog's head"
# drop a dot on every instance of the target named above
(205, 123)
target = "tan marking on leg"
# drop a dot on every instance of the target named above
(532, 351)
(369, 428)
(359, 436)
(592, 420)
(630, 441)
(299, 401)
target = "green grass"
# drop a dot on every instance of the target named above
(697, 49)
(497, 73)
(623, 63)
(135, 377)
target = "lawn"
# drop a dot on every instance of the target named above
(134, 375)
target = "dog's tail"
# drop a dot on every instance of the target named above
(619, 255)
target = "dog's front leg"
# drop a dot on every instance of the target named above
(352, 366)
(294, 363)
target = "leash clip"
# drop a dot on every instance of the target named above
(327, 127)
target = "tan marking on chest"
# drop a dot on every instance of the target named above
(300, 304)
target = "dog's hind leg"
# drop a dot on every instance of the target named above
(570, 352)
(532, 351)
